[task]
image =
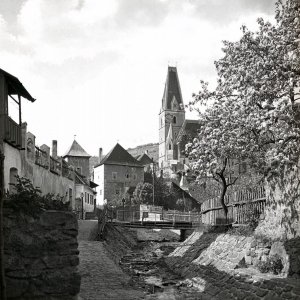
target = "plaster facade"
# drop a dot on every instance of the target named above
(115, 180)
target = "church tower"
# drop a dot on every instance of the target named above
(171, 118)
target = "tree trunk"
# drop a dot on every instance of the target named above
(222, 199)
(2, 273)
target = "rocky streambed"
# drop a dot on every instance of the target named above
(146, 266)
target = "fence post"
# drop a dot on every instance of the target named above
(174, 217)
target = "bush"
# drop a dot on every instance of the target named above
(28, 199)
(272, 264)
(252, 217)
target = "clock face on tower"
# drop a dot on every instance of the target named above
(169, 118)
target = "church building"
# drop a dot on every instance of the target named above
(174, 129)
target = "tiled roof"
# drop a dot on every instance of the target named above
(144, 159)
(76, 150)
(119, 156)
(172, 89)
(188, 130)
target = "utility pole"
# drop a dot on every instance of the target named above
(153, 174)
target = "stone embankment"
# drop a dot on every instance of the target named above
(41, 256)
(215, 264)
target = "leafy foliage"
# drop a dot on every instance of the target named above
(252, 115)
(272, 264)
(144, 193)
(27, 199)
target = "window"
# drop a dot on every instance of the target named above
(85, 197)
(170, 147)
(114, 175)
(174, 120)
(127, 175)
(13, 173)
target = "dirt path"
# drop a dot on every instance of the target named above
(101, 278)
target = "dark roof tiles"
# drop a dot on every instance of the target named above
(76, 150)
(172, 90)
(119, 156)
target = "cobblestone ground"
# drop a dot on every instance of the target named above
(101, 278)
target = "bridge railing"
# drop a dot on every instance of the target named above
(163, 216)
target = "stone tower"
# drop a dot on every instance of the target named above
(171, 118)
(77, 157)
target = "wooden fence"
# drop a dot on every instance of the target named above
(241, 205)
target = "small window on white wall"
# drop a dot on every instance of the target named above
(13, 173)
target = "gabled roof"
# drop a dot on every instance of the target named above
(15, 87)
(172, 90)
(144, 159)
(189, 130)
(76, 150)
(119, 156)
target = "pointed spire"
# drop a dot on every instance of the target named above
(76, 150)
(172, 98)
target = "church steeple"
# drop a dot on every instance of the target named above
(171, 118)
(172, 98)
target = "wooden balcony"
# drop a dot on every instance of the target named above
(11, 131)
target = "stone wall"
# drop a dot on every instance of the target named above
(41, 256)
(214, 264)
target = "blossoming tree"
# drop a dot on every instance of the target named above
(253, 113)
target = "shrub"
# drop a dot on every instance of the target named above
(252, 217)
(272, 264)
(28, 199)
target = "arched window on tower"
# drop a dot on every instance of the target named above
(13, 173)
(170, 147)
(174, 119)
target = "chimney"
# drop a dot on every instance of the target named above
(54, 148)
(100, 154)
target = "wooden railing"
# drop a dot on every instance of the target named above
(162, 216)
(241, 206)
(178, 216)
(41, 158)
(55, 165)
(12, 131)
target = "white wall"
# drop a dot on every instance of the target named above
(99, 179)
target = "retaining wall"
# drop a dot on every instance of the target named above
(41, 256)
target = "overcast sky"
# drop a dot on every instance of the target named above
(97, 67)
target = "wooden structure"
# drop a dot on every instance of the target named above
(241, 205)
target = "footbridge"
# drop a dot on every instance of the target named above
(154, 219)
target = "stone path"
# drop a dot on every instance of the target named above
(101, 278)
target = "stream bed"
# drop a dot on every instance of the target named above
(146, 266)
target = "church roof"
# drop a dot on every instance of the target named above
(189, 130)
(172, 90)
(119, 156)
(76, 150)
